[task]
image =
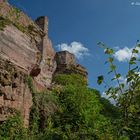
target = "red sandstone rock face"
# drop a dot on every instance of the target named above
(47, 65)
(64, 57)
(22, 54)
(66, 63)
(12, 13)
(18, 48)
(14, 92)
(1, 1)
(25, 49)
(19, 57)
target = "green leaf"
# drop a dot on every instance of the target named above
(118, 76)
(132, 62)
(100, 79)
(110, 59)
(133, 59)
(113, 79)
(138, 45)
(129, 79)
(109, 51)
(127, 128)
(122, 85)
(112, 67)
(135, 51)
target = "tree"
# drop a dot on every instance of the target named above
(126, 95)
(79, 116)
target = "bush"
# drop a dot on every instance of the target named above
(70, 79)
(12, 129)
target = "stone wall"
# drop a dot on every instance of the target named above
(48, 64)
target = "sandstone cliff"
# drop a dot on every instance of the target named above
(26, 50)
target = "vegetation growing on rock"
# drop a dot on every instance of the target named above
(72, 112)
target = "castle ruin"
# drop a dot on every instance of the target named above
(26, 50)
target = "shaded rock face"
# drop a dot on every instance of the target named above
(14, 92)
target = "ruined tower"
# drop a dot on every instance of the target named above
(64, 57)
(47, 64)
(66, 64)
(47, 49)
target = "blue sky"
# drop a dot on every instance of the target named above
(86, 22)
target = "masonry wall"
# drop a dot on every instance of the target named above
(48, 63)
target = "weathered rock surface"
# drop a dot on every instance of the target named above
(47, 64)
(17, 47)
(14, 92)
(66, 63)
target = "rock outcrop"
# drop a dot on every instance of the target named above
(66, 64)
(14, 91)
(26, 50)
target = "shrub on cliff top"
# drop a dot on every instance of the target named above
(70, 79)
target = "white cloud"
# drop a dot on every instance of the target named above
(116, 48)
(135, 3)
(124, 54)
(76, 48)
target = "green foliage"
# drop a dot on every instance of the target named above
(109, 110)
(74, 113)
(126, 95)
(3, 23)
(79, 116)
(71, 79)
(12, 129)
(20, 27)
(100, 79)
(30, 84)
(43, 108)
